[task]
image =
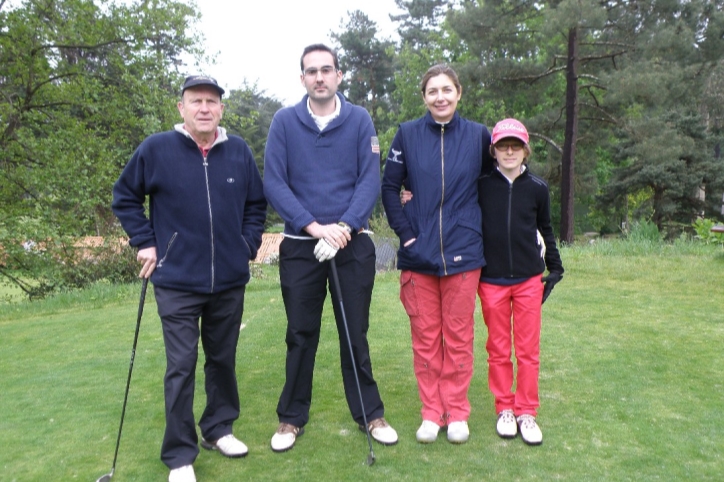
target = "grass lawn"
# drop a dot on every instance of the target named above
(631, 384)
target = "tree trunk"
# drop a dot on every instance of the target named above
(569, 145)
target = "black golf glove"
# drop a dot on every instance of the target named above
(549, 282)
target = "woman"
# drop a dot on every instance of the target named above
(439, 158)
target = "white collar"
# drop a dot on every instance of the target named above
(522, 170)
(323, 121)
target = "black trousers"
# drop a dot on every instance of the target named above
(305, 282)
(220, 315)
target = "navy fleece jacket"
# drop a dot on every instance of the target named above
(206, 215)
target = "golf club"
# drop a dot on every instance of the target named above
(107, 477)
(338, 288)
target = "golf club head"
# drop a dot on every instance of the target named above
(105, 478)
(371, 459)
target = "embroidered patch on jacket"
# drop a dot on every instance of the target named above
(375, 144)
(394, 156)
(457, 258)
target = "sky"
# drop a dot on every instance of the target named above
(263, 40)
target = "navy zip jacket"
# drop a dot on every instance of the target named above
(206, 214)
(512, 212)
(324, 176)
(441, 165)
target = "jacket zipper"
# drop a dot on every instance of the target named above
(510, 215)
(211, 223)
(442, 200)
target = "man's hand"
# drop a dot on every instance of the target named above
(548, 283)
(335, 235)
(324, 251)
(147, 257)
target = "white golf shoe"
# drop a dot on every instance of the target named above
(427, 433)
(529, 430)
(285, 437)
(507, 427)
(227, 445)
(458, 432)
(381, 431)
(182, 474)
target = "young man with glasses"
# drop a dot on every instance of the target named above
(322, 175)
(519, 247)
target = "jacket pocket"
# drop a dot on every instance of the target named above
(168, 250)
(249, 254)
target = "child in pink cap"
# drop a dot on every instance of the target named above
(519, 246)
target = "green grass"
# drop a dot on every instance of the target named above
(631, 384)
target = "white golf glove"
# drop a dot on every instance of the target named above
(541, 245)
(324, 251)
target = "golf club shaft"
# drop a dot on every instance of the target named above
(144, 285)
(338, 288)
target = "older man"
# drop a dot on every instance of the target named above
(207, 212)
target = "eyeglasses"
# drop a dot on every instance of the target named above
(325, 70)
(504, 146)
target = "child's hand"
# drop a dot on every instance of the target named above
(548, 283)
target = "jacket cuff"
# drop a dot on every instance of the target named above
(405, 236)
(302, 221)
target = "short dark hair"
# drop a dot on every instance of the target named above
(315, 48)
(440, 69)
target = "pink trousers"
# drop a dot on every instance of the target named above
(513, 317)
(441, 322)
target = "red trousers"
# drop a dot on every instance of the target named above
(516, 308)
(442, 326)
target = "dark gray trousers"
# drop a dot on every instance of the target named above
(305, 282)
(220, 315)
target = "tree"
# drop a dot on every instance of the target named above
(572, 69)
(541, 60)
(671, 126)
(248, 113)
(368, 65)
(421, 21)
(81, 84)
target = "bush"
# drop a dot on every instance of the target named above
(644, 231)
(41, 268)
(702, 227)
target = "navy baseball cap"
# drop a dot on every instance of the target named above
(196, 80)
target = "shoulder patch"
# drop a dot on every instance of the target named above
(375, 144)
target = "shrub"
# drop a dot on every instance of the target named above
(644, 231)
(41, 268)
(702, 227)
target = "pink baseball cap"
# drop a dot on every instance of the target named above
(509, 128)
